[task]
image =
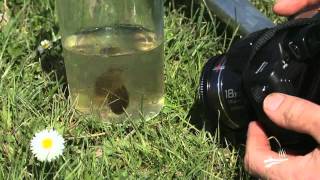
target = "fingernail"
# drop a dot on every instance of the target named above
(273, 101)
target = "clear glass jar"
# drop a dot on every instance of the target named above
(114, 56)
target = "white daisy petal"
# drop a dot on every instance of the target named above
(47, 145)
(45, 44)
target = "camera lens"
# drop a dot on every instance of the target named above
(220, 93)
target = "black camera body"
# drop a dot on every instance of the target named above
(283, 59)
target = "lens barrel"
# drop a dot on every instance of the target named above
(221, 94)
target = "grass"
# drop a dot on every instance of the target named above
(163, 148)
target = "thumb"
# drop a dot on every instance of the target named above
(290, 7)
(293, 113)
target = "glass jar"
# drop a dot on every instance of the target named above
(114, 56)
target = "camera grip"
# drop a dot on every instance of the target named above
(273, 72)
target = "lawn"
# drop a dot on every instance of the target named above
(32, 98)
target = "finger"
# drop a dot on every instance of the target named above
(258, 149)
(257, 139)
(258, 152)
(290, 7)
(293, 113)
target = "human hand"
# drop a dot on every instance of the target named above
(291, 113)
(290, 7)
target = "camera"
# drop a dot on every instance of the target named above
(284, 59)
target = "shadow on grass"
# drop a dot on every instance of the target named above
(52, 63)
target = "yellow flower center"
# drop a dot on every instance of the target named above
(47, 143)
(46, 46)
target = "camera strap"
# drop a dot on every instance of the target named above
(270, 33)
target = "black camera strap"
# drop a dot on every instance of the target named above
(270, 33)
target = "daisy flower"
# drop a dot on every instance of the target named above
(47, 145)
(44, 45)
